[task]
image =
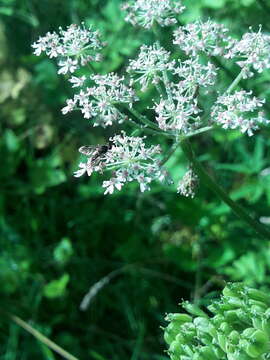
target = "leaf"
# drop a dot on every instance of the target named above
(56, 288)
(63, 251)
(11, 140)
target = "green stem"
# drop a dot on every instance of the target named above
(148, 130)
(236, 81)
(142, 118)
(211, 183)
(169, 154)
(199, 131)
(42, 338)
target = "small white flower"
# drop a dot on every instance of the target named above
(74, 47)
(151, 62)
(236, 110)
(146, 12)
(112, 184)
(130, 160)
(69, 107)
(177, 115)
(98, 102)
(77, 81)
(207, 37)
(253, 50)
(82, 170)
(67, 65)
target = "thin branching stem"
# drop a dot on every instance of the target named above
(212, 184)
(236, 81)
(46, 341)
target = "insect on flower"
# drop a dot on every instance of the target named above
(95, 152)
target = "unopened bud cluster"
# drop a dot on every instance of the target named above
(239, 328)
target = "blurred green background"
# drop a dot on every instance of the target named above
(143, 253)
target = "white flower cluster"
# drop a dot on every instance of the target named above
(236, 110)
(206, 37)
(194, 74)
(151, 62)
(177, 114)
(146, 12)
(188, 184)
(129, 159)
(98, 102)
(179, 111)
(254, 51)
(74, 47)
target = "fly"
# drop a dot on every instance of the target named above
(95, 152)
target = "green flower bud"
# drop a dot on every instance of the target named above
(257, 322)
(266, 326)
(240, 355)
(218, 320)
(180, 338)
(260, 304)
(259, 344)
(233, 290)
(170, 332)
(222, 340)
(248, 332)
(176, 349)
(193, 309)
(258, 295)
(234, 337)
(230, 348)
(187, 350)
(226, 328)
(231, 316)
(179, 318)
(202, 324)
(220, 354)
(207, 353)
(206, 339)
(234, 302)
(239, 328)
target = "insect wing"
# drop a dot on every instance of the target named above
(87, 150)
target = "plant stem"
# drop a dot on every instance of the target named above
(199, 131)
(235, 82)
(211, 183)
(169, 154)
(142, 118)
(42, 338)
(149, 130)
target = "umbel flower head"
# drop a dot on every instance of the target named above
(236, 110)
(253, 50)
(188, 184)
(202, 37)
(146, 12)
(128, 159)
(98, 102)
(149, 65)
(74, 47)
(239, 328)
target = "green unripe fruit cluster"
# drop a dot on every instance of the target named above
(239, 328)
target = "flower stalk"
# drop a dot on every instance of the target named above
(212, 185)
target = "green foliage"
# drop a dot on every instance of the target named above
(60, 236)
(238, 328)
(56, 288)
